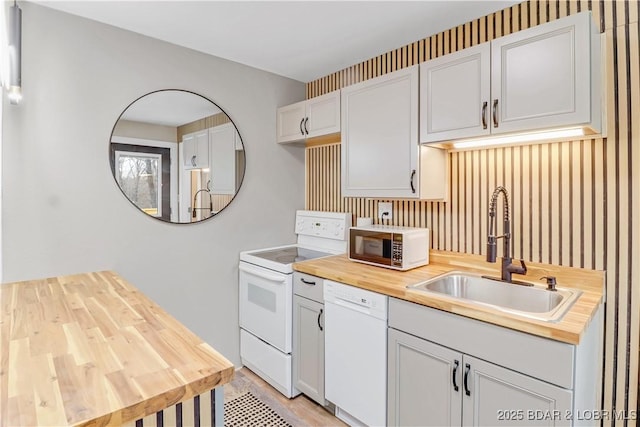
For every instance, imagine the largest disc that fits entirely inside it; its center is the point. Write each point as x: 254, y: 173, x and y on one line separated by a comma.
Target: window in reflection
x: 139, y: 177
x: 142, y: 173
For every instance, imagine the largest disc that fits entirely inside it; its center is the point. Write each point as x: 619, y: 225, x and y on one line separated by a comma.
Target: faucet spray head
x: 492, y: 228
x: 491, y: 249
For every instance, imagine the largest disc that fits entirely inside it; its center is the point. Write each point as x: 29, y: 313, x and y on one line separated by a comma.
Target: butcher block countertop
x: 90, y: 349
x: 393, y: 283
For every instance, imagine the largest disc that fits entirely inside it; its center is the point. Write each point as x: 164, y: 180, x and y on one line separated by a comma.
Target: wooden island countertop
x: 394, y: 283
x: 90, y: 349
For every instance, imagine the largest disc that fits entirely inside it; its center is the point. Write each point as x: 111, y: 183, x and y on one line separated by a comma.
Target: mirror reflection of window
x: 143, y: 174
x: 140, y: 180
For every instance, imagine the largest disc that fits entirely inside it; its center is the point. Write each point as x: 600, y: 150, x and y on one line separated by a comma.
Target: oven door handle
x: 259, y: 272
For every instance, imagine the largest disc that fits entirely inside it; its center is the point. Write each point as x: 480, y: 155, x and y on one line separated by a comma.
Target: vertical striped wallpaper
x: 575, y: 203
x: 202, y: 124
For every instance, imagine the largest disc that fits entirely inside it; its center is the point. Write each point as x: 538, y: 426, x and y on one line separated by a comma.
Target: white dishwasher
x: 356, y: 353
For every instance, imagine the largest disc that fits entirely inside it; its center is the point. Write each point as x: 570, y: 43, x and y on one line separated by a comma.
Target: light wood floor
x: 299, y: 411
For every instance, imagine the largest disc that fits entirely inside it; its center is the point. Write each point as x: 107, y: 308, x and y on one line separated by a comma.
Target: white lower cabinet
x: 431, y: 385
x: 423, y: 385
x: 308, y: 336
x: 448, y: 370
x: 308, y: 348
x: 497, y: 396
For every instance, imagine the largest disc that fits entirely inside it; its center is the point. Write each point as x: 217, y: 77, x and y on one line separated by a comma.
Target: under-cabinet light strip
x: 514, y: 139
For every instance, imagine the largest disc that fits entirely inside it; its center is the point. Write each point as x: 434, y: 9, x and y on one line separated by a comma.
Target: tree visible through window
x: 139, y: 177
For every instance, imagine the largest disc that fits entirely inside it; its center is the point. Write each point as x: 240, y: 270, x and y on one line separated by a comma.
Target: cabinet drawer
x: 308, y: 286
x: 542, y: 358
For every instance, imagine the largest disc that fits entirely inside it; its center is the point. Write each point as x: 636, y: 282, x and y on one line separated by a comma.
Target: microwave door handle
x: 262, y: 274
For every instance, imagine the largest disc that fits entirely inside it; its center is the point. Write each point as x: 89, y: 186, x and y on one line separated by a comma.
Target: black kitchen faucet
x: 507, y: 267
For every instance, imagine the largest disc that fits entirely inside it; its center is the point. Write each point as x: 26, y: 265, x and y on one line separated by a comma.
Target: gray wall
x: 62, y: 211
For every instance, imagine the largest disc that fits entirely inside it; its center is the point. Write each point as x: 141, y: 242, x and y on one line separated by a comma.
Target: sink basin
x: 528, y: 301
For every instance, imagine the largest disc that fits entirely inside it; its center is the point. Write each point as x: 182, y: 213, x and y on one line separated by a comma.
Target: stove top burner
x: 289, y: 255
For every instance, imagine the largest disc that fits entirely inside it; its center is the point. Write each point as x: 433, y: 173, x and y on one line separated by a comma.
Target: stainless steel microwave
x: 400, y: 248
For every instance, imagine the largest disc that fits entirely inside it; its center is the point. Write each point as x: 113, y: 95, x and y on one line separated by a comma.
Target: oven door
x: 266, y: 302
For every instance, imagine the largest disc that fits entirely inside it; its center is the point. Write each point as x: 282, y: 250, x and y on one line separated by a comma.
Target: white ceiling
x: 170, y: 108
x: 303, y: 40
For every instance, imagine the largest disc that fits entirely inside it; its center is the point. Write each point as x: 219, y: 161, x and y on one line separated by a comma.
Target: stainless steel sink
x: 528, y: 301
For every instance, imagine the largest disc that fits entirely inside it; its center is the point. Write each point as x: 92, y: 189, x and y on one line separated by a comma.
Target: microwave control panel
x: 396, y: 250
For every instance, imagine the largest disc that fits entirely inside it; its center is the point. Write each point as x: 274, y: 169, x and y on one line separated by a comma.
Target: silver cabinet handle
x: 193, y: 160
x: 301, y: 122
x: 495, y: 113
x: 484, y: 115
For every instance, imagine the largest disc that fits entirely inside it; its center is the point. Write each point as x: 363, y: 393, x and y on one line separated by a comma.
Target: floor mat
x: 248, y: 410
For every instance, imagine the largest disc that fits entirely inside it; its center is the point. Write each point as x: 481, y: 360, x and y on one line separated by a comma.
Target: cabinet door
x: 498, y: 396
x: 455, y: 94
x: 323, y: 115
x: 222, y: 141
x: 424, y: 383
x: 189, y: 151
x: 195, y: 150
x: 202, y: 149
x: 380, y: 136
x: 290, y: 123
x: 308, y: 348
x: 540, y: 77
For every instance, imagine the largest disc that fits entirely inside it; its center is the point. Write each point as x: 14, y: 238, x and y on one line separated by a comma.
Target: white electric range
x: 266, y: 294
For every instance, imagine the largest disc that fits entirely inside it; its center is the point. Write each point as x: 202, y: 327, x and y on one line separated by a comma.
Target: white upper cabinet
x: 195, y: 150
x: 454, y: 95
x: 290, y: 120
x: 381, y: 156
x: 541, y: 77
x: 323, y: 115
x: 380, y: 136
x: 545, y: 77
x: 307, y: 119
x: 222, y: 169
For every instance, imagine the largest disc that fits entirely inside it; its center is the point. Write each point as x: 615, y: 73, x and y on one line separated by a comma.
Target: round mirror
x: 177, y: 156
